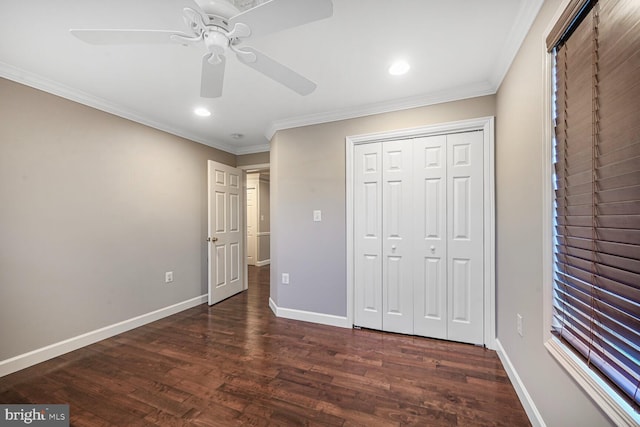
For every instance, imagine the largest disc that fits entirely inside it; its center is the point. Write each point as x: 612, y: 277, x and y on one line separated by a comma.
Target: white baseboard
x: 309, y: 316
x: 34, y: 357
x: 263, y: 262
x: 525, y: 398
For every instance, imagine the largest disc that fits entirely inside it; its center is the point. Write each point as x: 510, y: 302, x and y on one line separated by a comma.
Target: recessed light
x: 399, y: 68
x: 202, y: 112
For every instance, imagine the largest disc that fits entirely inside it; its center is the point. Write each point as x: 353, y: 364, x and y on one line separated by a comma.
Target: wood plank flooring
x: 236, y: 364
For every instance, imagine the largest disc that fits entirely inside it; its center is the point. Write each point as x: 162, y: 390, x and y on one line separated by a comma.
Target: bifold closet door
x: 449, y: 228
x: 382, y: 241
x: 418, y: 236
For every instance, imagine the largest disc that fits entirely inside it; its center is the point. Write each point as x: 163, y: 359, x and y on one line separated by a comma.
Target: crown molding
x: 519, y: 30
x: 526, y: 16
x: 261, y: 148
x: 454, y: 94
x: 41, y: 83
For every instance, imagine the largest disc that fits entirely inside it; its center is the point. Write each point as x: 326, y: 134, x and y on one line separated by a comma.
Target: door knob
x: 393, y: 247
x: 212, y: 239
x: 433, y: 249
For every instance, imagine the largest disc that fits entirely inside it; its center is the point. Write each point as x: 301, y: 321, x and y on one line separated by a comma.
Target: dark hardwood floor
x: 237, y: 364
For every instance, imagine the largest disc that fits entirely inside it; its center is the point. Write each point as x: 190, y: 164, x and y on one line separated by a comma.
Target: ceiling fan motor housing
x: 216, y: 41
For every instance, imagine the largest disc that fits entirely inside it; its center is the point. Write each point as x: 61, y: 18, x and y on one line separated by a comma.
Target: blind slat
x: 623, y: 309
x: 623, y: 263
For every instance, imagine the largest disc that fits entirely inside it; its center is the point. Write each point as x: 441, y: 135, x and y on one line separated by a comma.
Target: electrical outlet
x: 168, y: 277
x: 519, y: 324
x: 317, y: 216
x: 285, y: 278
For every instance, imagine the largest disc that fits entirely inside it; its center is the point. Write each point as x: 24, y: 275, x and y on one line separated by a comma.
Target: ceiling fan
x: 223, y: 29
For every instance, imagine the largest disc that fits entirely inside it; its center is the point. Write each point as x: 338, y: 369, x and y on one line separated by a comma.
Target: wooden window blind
x: 596, y: 301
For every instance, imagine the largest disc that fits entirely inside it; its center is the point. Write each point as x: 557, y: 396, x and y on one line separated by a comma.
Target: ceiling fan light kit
x: 223, y: 29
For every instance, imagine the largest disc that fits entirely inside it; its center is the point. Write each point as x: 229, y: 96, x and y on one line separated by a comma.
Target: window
x: 596, y: 281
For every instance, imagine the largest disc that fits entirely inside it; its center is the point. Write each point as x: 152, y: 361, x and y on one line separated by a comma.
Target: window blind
x: 596, y: 301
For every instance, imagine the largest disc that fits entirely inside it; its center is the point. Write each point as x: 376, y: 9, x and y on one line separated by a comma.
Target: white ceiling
x: 456, y: 48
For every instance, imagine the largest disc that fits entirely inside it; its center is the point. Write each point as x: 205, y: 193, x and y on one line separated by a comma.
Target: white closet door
x: 465, y: 219
x: 397, y: 228
x: 419, y: 238
x: 368, y: 235
x: 430, y: 231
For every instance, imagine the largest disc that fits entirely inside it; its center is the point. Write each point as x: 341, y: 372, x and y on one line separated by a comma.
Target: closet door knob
x: 433, y: 249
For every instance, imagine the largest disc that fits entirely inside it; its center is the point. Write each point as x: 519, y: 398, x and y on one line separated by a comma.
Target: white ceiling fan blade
x: 107, y: 37
x: 276, y: 71
x: 212, y: 77
x: 277, y: 15
x: 239, y: 30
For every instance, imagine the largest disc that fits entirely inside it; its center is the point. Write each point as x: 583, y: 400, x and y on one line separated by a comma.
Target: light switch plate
x: 317, y: 216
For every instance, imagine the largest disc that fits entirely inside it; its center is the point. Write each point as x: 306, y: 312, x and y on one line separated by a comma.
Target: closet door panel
x: 429, y: 222
x: 368, y: 235
x: 397, y: 236
x: 465, y: 241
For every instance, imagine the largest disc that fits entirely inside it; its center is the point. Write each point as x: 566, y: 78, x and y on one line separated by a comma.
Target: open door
x: 226, y: 232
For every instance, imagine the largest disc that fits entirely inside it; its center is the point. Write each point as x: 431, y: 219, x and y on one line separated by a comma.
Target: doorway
x: 258, y: 217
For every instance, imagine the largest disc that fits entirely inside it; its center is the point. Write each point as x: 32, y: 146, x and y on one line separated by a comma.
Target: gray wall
x: 519, y: 178
x: 253, y: 159
x: 308, y: 173
x: 93, y: 210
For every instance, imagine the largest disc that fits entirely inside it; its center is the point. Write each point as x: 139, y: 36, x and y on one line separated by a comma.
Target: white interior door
x: 397, y: 248
x: 465, y: 237
x: 226, y: 232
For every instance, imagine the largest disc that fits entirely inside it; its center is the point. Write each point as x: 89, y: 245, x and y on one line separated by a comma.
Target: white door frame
x: 486, y: 124
x: 249, y: 169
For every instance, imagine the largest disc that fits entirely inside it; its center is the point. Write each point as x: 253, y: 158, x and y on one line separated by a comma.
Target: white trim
x: 489, y: 234
x: 519, y: 30
x: 34, y: 357
x: 486, y: 124
x: 525, y: 398
x: 310, y: 316
x: 263, y: 262
x: 38, y: 82
x: 547, y: 192
x: 247, y: 168
x: 619, y: 411
x: 455, y: 94
x: 251, y: 149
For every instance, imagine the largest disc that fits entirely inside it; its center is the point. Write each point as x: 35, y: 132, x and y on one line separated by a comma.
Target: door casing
x: 486, y: 124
